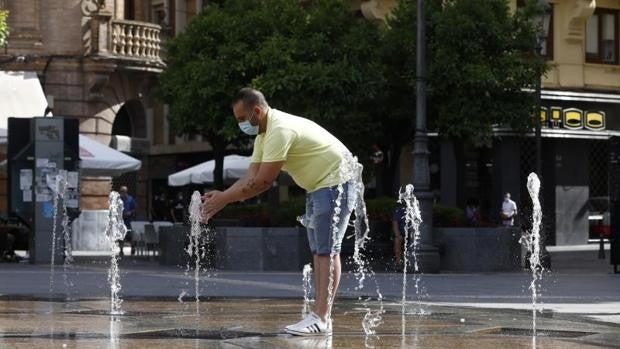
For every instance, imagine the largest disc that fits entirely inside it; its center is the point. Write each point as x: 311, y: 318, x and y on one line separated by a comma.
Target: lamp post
x: 428, y: 254
x: 541, y: 51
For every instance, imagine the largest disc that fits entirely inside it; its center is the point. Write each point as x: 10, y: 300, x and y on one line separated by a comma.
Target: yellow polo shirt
x: 311, y: 155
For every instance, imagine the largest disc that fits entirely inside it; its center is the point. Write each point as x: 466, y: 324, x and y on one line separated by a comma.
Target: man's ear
x: 258, y: 110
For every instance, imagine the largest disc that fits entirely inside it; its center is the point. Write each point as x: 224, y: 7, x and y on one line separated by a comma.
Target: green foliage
x: 445, y: 216
x: 356, y: 78
x: 480, y: 57
x: 324, y: 67
x: 4, y: 27
x: 381, y: 209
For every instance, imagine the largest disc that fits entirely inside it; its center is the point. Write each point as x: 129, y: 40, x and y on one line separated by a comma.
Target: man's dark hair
x: 250, y: 97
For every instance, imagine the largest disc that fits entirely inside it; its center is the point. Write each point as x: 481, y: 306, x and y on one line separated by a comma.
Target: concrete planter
x: 261, y: 249
x: 89, y: 231
x: 479, y: 249
x: 172, y: 242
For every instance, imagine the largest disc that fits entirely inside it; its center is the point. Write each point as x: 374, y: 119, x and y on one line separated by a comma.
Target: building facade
x: 580, y: 116
x: 99, y: 61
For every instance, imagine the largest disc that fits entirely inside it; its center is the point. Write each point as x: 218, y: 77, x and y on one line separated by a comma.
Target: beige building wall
x: 569, y: 69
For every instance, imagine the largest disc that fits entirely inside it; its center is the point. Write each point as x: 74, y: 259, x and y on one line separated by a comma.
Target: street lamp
x: 541, y: 50
x: 542, y: 39
x: 427, y: 252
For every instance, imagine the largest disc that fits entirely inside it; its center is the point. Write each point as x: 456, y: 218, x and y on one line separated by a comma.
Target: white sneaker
x: 312, y: 325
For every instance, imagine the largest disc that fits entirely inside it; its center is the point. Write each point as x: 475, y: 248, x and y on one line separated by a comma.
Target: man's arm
x: 258, y: 179
x: 251, y: 173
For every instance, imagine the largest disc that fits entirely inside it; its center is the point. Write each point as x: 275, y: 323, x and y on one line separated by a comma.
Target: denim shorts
x: 320, y: 208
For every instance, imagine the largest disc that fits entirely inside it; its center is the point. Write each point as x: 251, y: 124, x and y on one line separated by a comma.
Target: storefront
x: 577, y: 127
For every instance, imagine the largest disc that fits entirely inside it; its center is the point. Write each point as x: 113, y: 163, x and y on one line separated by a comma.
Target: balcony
x: 132, y: 43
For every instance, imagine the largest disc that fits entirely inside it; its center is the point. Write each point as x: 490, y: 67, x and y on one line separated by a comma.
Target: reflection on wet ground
x: 258, y: 323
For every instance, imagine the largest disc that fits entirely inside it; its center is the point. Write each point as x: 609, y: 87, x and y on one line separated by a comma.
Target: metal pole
x: 537, y: 132
x: 546, y: 256
x: 428, y: 253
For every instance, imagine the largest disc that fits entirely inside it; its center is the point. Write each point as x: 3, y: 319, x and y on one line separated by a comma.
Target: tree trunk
x: 219, y: 148
x: 392, y: 167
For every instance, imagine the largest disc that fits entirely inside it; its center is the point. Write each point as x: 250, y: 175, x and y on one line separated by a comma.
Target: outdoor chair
x: 151, y: 240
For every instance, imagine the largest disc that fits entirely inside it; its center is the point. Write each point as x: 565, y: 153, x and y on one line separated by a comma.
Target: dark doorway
x: 130, y: 10
x: 130, y: 120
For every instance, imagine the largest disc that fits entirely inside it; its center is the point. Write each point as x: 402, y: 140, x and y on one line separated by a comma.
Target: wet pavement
x: 258, y: 323
x: 581, y: 302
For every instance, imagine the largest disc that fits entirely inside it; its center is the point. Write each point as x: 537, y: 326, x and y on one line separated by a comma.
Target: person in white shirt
x: 509, y: 211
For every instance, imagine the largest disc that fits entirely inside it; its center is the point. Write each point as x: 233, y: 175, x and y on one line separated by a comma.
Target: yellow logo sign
x: 572, y: 118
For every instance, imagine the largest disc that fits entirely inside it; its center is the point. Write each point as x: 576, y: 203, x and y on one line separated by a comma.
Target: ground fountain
x: 115, y: 231
x: 413, y: 219
x: 532, y: 242
x: 351, y: 171
x: 58, y: 184
x: 194, y: 250
x: 307, y: 286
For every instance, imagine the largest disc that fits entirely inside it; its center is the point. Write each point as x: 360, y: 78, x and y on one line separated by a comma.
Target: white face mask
x: 247, y: 128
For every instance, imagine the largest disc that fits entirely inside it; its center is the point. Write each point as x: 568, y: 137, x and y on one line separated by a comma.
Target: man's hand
x: 213, y: 202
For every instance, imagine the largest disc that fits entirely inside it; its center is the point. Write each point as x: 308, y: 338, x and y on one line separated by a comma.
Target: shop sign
x: 572, y: 118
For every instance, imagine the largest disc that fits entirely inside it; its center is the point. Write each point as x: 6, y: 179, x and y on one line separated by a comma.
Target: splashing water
x: 372, y: 320
x: 181, y: 295
x: 115, y: 231
x: 59, y: 188
x: 351, y: 171
x: 114, y: 332
x: 413, y: 219
x: 307, y: 286
x: 61, y: 185
x: 55, y: 224
x: 332, y: 266
x: 193, y: 249
x: 532, y: 242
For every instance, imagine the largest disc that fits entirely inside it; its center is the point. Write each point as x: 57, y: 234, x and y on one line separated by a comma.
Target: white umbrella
x: 21, y: 96
x: 101, y: 160
x: 98, y: 159
x: 235, y: 167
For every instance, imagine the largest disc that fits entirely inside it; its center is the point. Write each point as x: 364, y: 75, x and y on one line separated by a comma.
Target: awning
x: 580, y: 96
x: 21, y: 96
x: 235, y: 167
x: 98, y: 159
x: 101, y: 160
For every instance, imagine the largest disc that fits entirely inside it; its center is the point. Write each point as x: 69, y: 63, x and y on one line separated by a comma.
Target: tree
x: 326, y: 68
x: 207, y: 63
x: 481, y: 62
x: 484, y: 67
x: 4, y: 27
x: 316, y: 61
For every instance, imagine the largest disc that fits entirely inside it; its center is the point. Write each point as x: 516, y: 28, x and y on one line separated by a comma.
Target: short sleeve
x: 257, y: 153
x: 277, y: 145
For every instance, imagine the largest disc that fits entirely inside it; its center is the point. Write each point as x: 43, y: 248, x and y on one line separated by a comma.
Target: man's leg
x: 121, y: 243
x: 322, y: 284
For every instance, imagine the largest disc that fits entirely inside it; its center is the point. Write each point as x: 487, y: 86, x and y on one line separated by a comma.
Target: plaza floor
x: 580, y: 302
x: 258, y: 323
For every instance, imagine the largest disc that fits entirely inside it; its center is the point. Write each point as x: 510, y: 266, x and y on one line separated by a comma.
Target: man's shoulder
x: 283, y: 124
x: 283, y: 119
